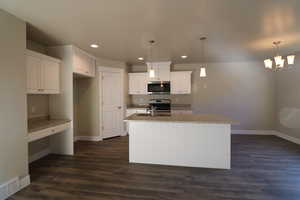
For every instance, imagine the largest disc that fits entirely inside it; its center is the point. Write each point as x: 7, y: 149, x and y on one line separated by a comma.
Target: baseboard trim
x: 266, y: 132
x: 287, y: 137
x: 39, y: 155
x: 89, y: 138
x: 253, y: 132
x: 13, y: 186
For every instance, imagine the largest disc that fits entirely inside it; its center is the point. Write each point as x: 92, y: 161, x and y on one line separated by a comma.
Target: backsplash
x: 176, y: 99
x: 37, y: 106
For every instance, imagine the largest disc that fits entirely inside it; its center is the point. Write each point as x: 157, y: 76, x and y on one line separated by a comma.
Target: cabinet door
x: 50, y: 77
x: 83, y: 63
x: 91, y: 65
x: 33, y: 65
x: 133, y: 84
x: 164, y: 73
x: 77, y: 63
x: 142, y: 83
x: 181, y: 82
x: 137, y: 83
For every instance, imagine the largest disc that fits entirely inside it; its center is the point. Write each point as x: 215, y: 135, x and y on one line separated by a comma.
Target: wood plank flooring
x: 263, y: 167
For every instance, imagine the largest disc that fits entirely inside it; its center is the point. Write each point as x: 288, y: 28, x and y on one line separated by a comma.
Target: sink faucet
x: 152, y: 111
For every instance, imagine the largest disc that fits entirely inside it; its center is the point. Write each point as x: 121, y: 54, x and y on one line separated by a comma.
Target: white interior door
x: 112, y: 115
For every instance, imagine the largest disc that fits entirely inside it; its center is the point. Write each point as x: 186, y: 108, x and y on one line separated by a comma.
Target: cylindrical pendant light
x: 268, y: 63
x: 151, y: 71
x: 203, y: 69
x: 202, y: 72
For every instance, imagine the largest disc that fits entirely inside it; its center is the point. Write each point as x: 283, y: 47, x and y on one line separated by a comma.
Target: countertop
x: 173, y: 107
x: 44, y: 123
x: 188, y: 118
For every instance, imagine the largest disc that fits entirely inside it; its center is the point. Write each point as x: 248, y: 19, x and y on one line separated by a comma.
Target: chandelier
x: 280, y: 61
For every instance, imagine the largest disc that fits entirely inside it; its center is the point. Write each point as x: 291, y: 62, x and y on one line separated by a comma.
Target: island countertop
x: 186, y: 118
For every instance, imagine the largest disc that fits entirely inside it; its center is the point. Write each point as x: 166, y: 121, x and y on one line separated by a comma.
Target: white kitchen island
x: 181, y: 140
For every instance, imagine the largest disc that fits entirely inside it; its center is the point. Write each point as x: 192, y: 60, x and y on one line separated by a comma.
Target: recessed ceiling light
x: 94, y: 46
x: 140, y: 58
x: 184, y: 57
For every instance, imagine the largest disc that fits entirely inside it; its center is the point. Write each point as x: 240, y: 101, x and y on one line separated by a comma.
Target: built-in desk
x: 41, y: 128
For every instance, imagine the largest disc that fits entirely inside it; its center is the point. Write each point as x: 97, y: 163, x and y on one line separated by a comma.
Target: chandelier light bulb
x: 291, y: 59
x: 281, y: 64
x: 278, y: 60
x: 268, y: 63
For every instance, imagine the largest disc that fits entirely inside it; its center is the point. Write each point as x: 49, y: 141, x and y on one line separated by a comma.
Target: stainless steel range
x: 160, y: 105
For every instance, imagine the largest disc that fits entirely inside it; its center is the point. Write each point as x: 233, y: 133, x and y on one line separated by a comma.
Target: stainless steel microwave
x: 159, y: 87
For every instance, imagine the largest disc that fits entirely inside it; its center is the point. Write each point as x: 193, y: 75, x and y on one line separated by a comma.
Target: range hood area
x: 160, y: 70
x: 179, y: 81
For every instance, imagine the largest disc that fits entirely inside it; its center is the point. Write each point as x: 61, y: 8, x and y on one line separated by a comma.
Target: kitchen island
x: 181, y: 140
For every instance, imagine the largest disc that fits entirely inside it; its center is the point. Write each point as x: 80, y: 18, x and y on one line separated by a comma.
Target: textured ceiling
x: 236, y: 29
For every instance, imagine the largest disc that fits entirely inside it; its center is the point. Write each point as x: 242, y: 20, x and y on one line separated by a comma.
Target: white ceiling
x: 236, y: 29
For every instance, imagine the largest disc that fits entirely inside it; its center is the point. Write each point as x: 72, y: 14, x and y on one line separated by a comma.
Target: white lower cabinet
x: 43, y: 74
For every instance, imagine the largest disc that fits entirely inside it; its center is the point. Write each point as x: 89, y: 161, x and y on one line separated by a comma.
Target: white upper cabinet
x: 181, y: 82
x: 161, y: 71
x: 33, y: 68
x: 43, y: 73
x: 138, y: 83
x: 83, y: 63
x: 50, y: 77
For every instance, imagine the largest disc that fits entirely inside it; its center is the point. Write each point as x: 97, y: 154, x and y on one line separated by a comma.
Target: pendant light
x: 151, y: 71
x: 278, y: 59
x: 203, y: 67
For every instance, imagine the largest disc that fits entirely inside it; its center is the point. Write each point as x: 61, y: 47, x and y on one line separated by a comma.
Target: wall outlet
x: 33, y: 109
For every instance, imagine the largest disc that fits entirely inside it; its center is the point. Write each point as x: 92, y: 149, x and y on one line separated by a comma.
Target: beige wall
x: 288, y: 100
x: 87, y: 109
x: 13, y: 126
x: 243, y: 91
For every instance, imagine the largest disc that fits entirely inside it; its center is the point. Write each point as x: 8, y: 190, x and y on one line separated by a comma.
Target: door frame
x: 101, y: 70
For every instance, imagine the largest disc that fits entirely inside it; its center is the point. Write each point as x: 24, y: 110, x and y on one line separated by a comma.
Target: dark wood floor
x: 263, y: 167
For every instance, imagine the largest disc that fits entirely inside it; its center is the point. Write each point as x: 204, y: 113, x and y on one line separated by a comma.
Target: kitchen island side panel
x: 180, y: 144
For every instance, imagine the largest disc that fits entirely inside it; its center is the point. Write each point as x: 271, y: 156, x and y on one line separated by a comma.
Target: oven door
x: 159, y: 87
